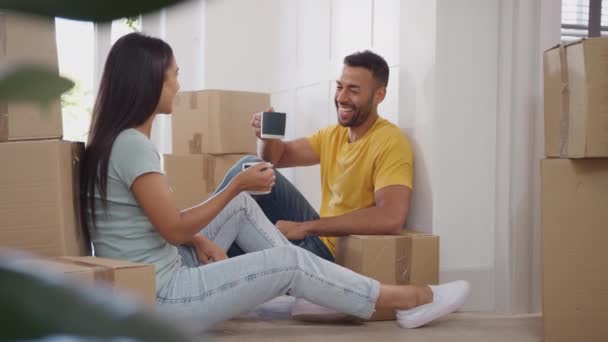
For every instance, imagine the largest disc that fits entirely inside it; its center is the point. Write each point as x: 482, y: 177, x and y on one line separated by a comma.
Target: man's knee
x: 238, y: 167
x: 248, y: 159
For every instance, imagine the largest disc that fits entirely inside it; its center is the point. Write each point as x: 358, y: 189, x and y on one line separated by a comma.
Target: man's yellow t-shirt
x: 352, y: 172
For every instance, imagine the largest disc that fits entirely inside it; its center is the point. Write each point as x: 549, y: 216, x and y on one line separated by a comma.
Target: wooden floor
x: 274, y: 323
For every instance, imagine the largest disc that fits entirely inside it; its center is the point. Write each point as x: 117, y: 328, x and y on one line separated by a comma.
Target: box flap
x: 553, y: 47
x: 104, y: 262
x: 53, y: 265
x: 416, y: 234
x: 575, y: 42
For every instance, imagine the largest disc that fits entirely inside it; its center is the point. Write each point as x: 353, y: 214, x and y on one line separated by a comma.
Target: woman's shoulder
x: 131, y: 135
x: 132, y: 139
x: 132, y: 143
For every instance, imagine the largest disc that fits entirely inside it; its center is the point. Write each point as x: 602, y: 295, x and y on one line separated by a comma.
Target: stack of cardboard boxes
x: 39, y: 170
x: 211, y: 132
x: 574, y: 192
x: 39, y: 183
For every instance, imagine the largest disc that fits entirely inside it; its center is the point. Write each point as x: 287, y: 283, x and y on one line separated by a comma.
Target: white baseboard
x: 482, y: 286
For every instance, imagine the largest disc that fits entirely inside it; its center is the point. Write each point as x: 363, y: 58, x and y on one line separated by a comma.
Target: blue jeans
x: 207, y: 294
x: 285, y: 202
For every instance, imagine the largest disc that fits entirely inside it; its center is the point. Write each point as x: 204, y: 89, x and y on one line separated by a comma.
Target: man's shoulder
x: 389, y: 133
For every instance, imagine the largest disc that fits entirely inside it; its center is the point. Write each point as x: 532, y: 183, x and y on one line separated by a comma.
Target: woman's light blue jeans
x: 207, y: 294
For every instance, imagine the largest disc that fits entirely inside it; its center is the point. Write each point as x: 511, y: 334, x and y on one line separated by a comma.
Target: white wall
x: 463, y: 86
x: 549, y: 35
x: 464, y: 143
x: 242, y: 44
x: 417, y: 98
x: 183, y: 27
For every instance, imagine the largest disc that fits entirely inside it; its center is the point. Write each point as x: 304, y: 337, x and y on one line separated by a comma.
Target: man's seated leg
x: 234, y: 251
x: 285, y: 202
x: 235, y: 170
x: 314, y: 245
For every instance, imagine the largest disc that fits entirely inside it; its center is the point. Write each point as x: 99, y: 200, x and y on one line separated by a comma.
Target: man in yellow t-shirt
x: 366, y: 166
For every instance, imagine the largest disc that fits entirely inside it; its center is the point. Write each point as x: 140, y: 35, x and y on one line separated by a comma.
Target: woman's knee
x: 244, y: 201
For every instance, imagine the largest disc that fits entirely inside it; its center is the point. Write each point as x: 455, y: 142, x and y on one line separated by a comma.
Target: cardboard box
x: 215, y: 121
x: 555, y: 97
x: 135, y: 279
x: 574, y: 222
x: 26, y: 39
x: 39, y: 191
x: 411, y: 258
x: 576, y: 81
x: 194, y: 178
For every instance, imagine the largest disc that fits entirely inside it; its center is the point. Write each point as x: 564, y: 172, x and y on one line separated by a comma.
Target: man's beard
x: 360, y: 114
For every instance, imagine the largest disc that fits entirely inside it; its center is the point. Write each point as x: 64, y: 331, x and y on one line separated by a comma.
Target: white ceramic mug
x: 245, y: 166
x: 273, y: 125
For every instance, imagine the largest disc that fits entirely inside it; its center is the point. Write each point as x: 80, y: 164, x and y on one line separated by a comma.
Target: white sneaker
x: 447, y: 298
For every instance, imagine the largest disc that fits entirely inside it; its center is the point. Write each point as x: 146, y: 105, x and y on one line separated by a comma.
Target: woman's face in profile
x: 170, y: 89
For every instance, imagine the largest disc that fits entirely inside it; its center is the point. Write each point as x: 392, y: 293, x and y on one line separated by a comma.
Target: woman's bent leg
x: 221, y: 290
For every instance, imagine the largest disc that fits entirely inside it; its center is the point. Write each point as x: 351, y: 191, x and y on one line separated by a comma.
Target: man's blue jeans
x: 285, y: 202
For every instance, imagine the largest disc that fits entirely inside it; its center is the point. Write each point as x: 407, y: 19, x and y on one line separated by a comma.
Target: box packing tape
x: 565, y: 97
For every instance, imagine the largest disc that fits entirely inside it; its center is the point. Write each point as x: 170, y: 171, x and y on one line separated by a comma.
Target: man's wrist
x: 270, y: 150
x: 309, y: 228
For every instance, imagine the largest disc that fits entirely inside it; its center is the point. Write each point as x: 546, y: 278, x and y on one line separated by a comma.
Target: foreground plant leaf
x: 99, y: 11
x: 36, y: 306
x: 32, y: 83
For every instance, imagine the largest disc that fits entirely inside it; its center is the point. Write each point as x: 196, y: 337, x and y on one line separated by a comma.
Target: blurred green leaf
x: 134, y: 23
x: 35, y: 306
x: 99, y: 11
x: 32, y: 83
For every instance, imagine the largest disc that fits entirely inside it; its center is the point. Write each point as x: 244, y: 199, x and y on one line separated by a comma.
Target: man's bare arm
x: 387, y: 217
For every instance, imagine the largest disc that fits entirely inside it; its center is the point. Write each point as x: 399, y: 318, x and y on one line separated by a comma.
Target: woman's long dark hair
x: 129, y: 93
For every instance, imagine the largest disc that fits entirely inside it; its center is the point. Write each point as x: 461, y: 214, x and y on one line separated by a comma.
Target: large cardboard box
x: 26, y: 39
x: 194, y: 178
x: 215, y: 121
x: 39, y: 191
x: 574, y: 228
x: 410, y: 258
x: 576, y: 82
x: 135, y: 279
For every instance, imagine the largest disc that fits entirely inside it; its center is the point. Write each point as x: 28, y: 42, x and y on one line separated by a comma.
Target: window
x: 75, y: 48
x: 124, y: 26
x: 584, y: 18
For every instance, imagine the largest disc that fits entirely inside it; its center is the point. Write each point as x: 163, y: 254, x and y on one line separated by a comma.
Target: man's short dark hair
x: 370, y: 61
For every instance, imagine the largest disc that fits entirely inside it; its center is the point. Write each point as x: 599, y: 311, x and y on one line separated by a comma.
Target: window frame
x: 594, y: 26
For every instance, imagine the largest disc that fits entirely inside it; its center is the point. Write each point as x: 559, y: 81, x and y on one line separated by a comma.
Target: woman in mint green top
x: 131, y: 214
